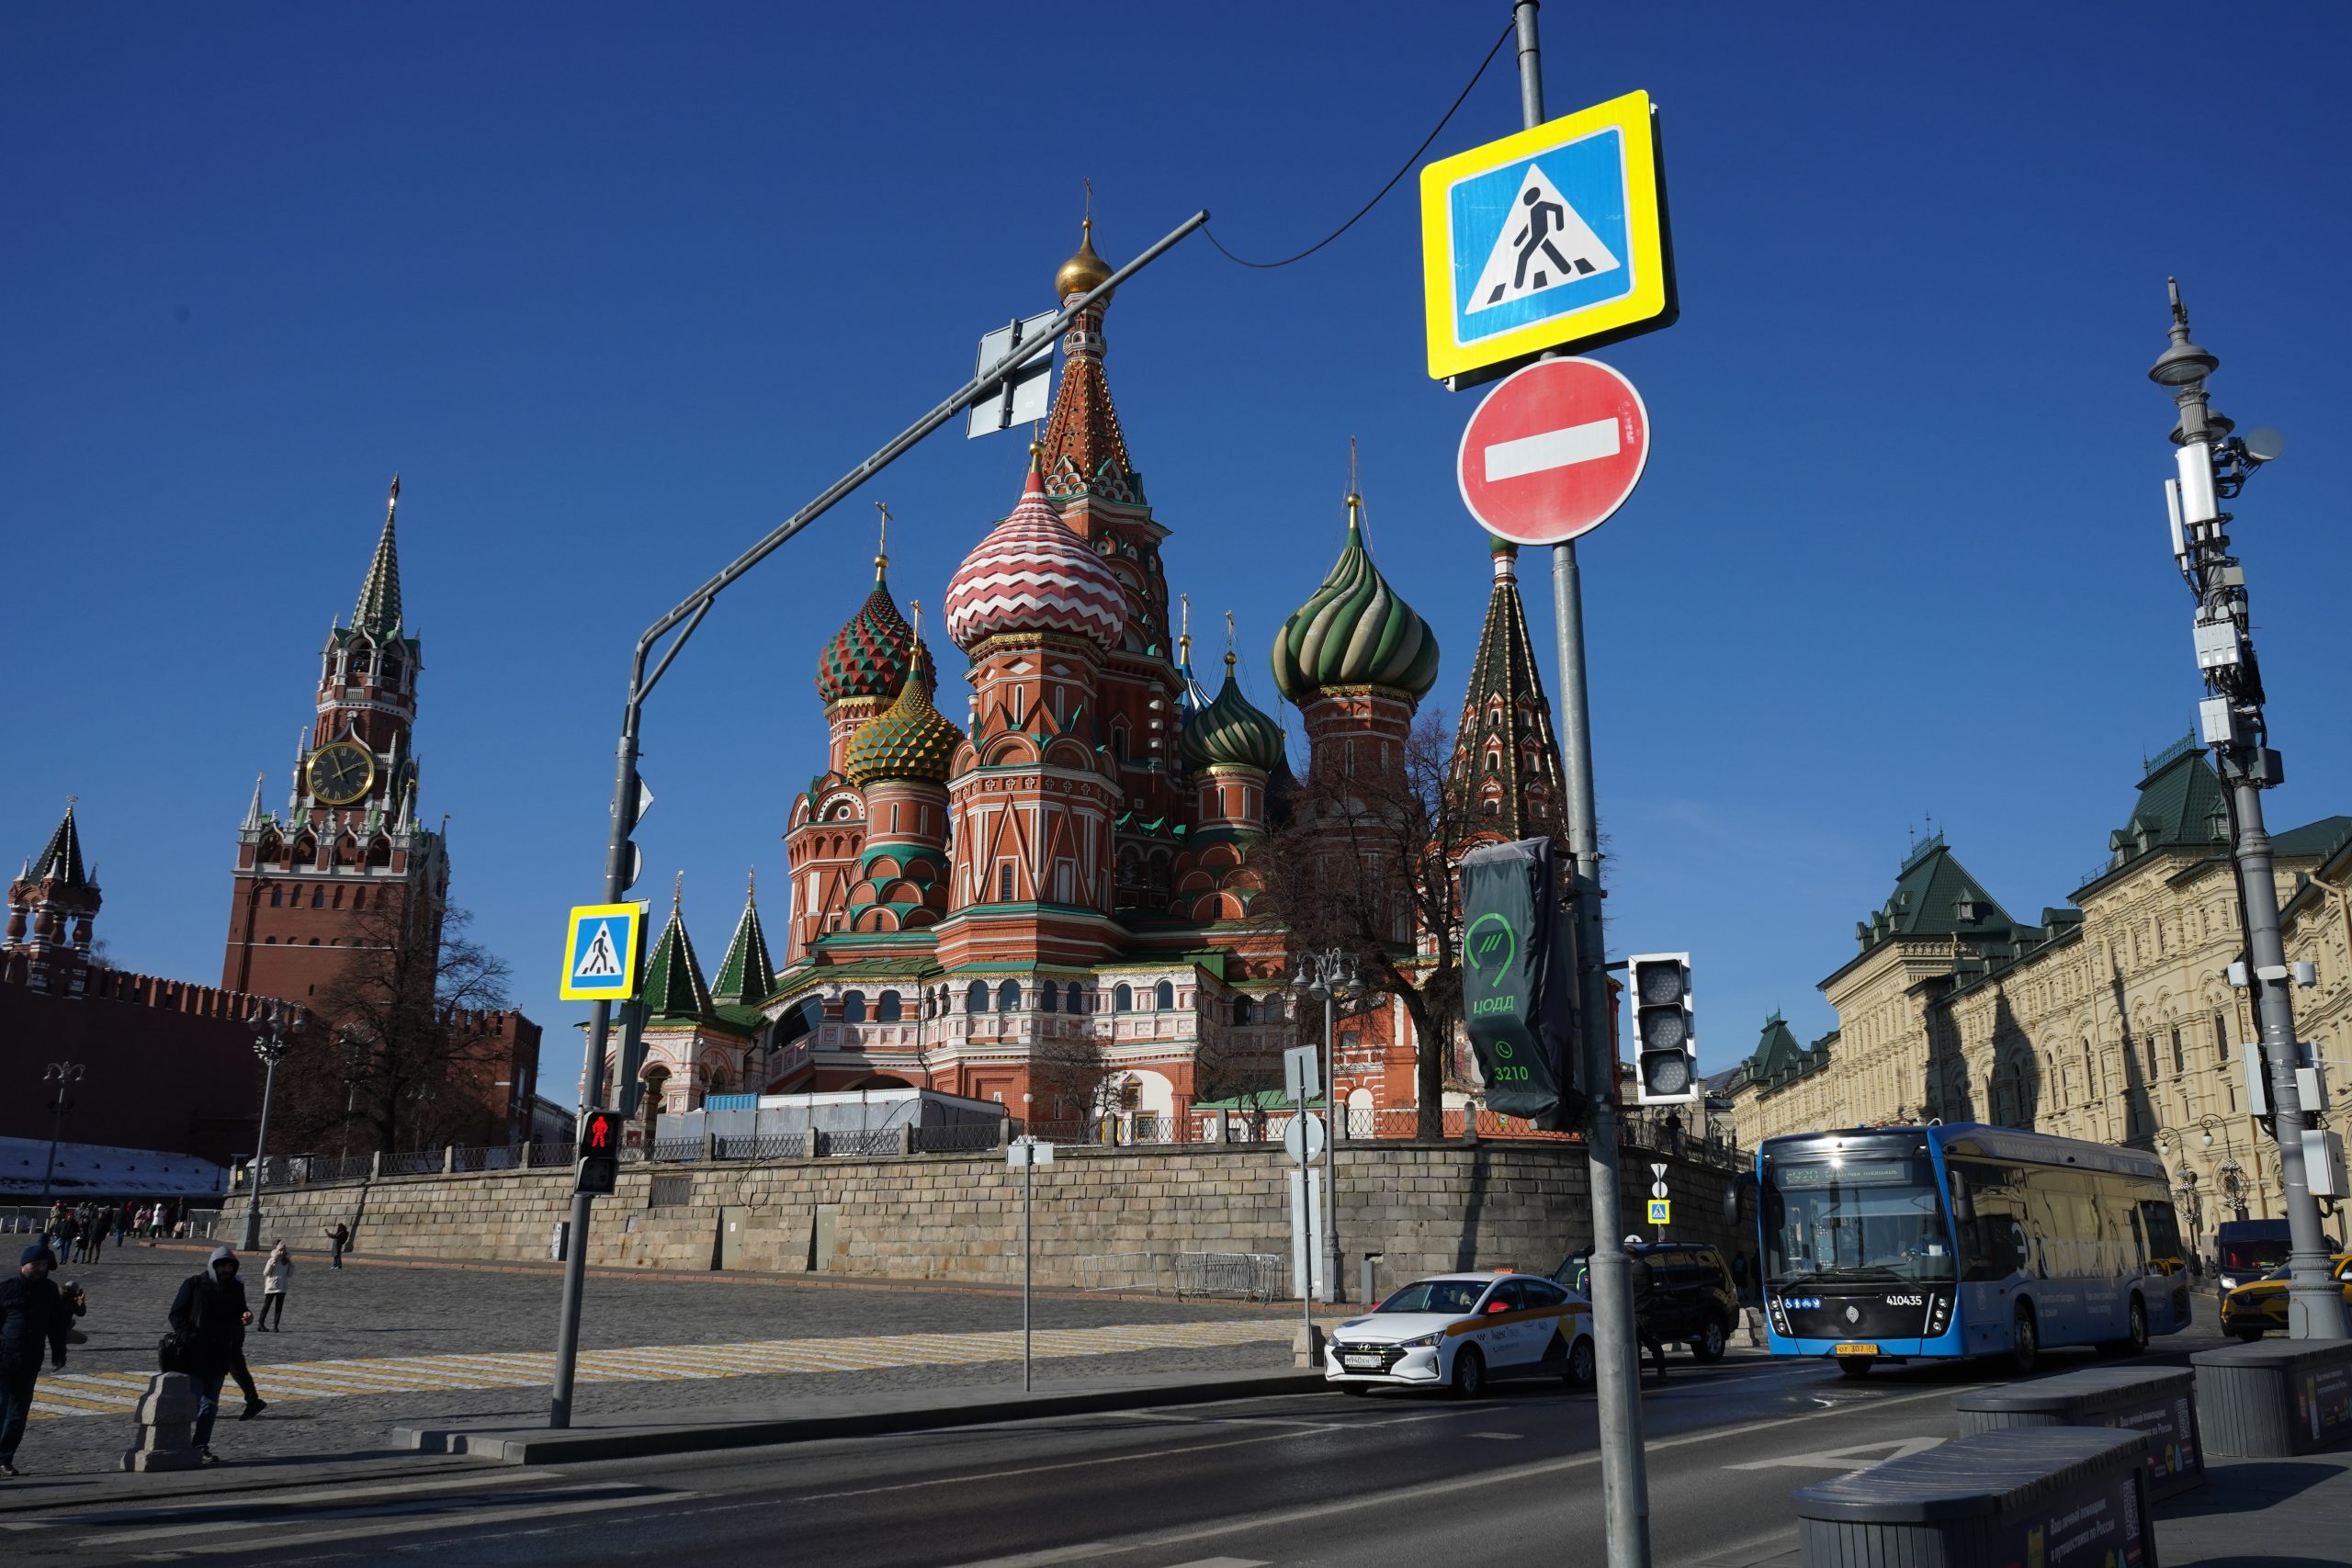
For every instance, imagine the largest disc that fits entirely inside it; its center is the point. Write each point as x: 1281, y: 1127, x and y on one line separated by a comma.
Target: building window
x: 1008, y: 998
x: 2222, y: 1039
x: 318, y: 897
x: 1163, y: 997
x: 1004, y: 882
x: 360, y: 897
x: 1123, y: 998
x: 1242, y: 1013
x: 1077, y: 997
x: 2179, y: 1056
x: 1049, y: 997
x: 975, y: 999
x: 886, y: 1007
x: 276, y: 897
x: 854, y: 1007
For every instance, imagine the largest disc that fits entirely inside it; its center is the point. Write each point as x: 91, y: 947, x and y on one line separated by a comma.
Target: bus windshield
x: 1864, y: 1218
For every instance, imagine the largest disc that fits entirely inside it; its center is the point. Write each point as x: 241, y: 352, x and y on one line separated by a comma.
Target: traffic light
x: 600, y: 1153
x: 1665, y: 1052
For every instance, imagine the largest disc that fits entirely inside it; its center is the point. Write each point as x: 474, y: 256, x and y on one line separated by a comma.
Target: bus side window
x: 1991, y: 1238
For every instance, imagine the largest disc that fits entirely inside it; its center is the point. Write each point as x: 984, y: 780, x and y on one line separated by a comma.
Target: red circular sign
x: 1553, y: 451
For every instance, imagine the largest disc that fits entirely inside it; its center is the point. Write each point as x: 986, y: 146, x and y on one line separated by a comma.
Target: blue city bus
x: 1883, y: 1244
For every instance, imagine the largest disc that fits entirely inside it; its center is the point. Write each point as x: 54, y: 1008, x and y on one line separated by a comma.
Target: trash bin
x: 2276, y: 1397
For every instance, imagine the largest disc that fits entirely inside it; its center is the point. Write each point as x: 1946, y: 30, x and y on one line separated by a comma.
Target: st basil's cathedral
x: 1069, y: 870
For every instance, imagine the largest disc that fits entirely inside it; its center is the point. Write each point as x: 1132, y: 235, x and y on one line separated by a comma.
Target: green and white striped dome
x: 1355, y: 631
x: 1231, y: 732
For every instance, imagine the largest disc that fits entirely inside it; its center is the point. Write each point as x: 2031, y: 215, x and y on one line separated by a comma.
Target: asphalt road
x: 1309, y: 1479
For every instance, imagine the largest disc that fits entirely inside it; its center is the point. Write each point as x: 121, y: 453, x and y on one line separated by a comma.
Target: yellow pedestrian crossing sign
x: 1555, y: 236
x: 600, y: 952
x: 1661, y: 1211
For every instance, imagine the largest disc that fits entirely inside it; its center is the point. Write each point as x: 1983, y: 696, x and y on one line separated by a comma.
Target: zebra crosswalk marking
x: 113, y: 1394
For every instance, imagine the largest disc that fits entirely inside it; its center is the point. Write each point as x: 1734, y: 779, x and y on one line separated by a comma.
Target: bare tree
x: 1365, y: 863
x: 1070, y: 1080
x: 407, y: 1048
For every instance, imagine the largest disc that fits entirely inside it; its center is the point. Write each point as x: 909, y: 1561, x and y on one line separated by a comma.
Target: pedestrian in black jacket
x: 209, y: 1317
x: 32, y: 1314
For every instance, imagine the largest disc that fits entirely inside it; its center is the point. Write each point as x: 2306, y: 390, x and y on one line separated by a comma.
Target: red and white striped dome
x: 1032, y: 574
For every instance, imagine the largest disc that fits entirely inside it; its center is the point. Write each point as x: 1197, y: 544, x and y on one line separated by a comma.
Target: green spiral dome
x: 907, y: 740
x: 1230, y: 732
x: 1355, y: 631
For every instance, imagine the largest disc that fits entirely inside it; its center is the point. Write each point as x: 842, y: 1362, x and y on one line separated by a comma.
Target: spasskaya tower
x: 348, y: 840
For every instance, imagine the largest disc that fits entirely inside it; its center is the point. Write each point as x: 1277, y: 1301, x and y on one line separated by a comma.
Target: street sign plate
x: 1028, y: 1151
x: 1555, y: 236
x: 600, y: 951
x: 1301, y: 1074
x: 1553, y: 451
x: 1661, y: 1212
x: 1303, y: 1139
x: 1026, y: 392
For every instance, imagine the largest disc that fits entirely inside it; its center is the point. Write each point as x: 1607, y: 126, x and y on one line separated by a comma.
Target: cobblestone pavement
x: 372, y: 1313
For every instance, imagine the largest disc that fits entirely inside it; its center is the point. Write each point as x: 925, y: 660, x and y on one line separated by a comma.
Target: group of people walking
x: 207, y: 1317
x: 78, y: 1233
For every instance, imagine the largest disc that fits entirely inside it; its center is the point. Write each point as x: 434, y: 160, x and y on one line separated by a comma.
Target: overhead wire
x: 1384, y: 190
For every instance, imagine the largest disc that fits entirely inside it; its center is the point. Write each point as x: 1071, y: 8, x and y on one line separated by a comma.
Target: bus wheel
x: 1855, y: 1366
x: 2025, y: 1342
x: 2135, y: 1338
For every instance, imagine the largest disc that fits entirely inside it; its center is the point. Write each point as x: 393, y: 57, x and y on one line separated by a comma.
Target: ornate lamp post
x: 1331, y: 977
x: 276, y: 1026
x: 64, y: 1074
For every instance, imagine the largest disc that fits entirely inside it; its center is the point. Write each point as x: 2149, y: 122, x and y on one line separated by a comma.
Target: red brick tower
x: 50, y: 906
x: 349, y: 839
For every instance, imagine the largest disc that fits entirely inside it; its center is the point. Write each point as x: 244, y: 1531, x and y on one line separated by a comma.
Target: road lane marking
x: 276, y: 1539
x: 1843, y: 1459
x: 1428, y: 1489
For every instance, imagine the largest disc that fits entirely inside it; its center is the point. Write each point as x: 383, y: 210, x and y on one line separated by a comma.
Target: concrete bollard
x: 1306, y: 1345
x: 167, y: 1426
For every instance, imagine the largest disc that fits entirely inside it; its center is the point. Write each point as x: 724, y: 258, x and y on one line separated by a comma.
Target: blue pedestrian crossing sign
x: 600, y: 952
x: 1552, y: 237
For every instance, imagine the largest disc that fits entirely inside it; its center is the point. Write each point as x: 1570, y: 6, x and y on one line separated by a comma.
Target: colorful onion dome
x: 1355, y: 631
x: 868, y: 656
x: 1085, y: 271
x: 1231, y: 732
x: 907, y: 740
x: 1032, y: 574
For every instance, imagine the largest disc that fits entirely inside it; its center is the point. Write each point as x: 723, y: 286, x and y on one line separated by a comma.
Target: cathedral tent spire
x: 1085, y: 451
x: 674, y: 989
x: 746, y: 976
x: 379, y: 610
x: 1507, y: 759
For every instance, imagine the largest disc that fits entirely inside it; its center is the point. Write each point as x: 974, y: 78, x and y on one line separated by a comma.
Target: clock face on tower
x: 340, y: 773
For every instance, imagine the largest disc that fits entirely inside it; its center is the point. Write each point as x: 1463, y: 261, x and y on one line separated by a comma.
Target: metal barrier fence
x: 962, y: 1138
x: 876, y: 1140
x: 417, y: 1162
x: 766, y: 1145
x: 1247, y: 1276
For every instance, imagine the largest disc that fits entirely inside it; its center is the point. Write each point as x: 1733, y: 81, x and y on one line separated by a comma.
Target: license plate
x: 1857, y: 1350
x: 1371, y: 1363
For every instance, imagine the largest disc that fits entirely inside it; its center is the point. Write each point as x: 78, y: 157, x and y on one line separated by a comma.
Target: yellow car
x: 2261, y: 1305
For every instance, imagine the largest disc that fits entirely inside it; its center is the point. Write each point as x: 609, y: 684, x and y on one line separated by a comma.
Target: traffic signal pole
x: 620, y: 874
x: 2213, y: 465
x: 1624, y: 1480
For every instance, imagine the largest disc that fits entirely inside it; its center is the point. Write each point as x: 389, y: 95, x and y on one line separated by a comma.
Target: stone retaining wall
x: 1426, y: 1207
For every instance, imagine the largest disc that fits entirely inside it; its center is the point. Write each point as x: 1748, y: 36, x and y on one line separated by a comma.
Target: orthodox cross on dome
x: 882, y: 541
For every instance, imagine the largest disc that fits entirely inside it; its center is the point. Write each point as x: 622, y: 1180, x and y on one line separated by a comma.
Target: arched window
x: 318, y: 898
x: 801, y: 1019
x: 360, y: 897
x: 1008, y: 997
x: 886, y: 1007
x: 1077, y: 997
x: 975, y: 999
x: 1049, y: 997
x: 1164, y: 996
x: 852, y: 1007
x: 276, y: 897
x: 1242, y: 1012
x: 1123, y: 998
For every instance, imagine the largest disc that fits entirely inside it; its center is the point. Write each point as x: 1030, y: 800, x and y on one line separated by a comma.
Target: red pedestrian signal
x: 599, y: 1168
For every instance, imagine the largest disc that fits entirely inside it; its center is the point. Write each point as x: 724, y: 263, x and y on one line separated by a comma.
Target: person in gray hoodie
x: 209, y: 1317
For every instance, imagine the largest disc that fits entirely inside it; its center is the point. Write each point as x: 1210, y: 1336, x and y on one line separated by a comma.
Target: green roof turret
x: 1231, y: 731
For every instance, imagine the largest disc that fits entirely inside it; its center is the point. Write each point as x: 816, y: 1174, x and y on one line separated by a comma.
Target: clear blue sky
x: 617, y: 288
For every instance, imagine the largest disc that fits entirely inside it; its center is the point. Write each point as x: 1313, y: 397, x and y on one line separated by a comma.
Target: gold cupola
x: 1084, y: 272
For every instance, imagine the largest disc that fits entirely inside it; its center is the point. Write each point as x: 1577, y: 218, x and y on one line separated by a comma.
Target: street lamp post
x: 276, y: 1026
x: 2214, y: 465
x: 64, y: 1074
x: 1331, y: 977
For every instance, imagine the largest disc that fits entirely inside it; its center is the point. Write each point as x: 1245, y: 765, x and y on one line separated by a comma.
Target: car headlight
x: 1425, y: 1342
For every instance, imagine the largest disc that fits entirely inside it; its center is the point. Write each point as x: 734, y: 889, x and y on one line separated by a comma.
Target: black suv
x: 1692, y: 1294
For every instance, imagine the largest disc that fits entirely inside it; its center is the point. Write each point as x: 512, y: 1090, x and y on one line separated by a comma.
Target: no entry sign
x: 1553, y: 451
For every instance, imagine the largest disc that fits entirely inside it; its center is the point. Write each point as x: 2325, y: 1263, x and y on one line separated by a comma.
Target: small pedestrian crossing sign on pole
x: 1661, y: 1212
x: 1550, y: 237
x: 600, y: 952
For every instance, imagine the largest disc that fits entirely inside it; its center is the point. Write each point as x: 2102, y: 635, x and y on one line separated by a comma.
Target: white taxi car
x: 1456, y: 1331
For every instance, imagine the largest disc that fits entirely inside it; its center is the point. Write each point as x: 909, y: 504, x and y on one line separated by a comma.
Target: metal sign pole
x: 1624, y: 1475
x: 1028, y: 1174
